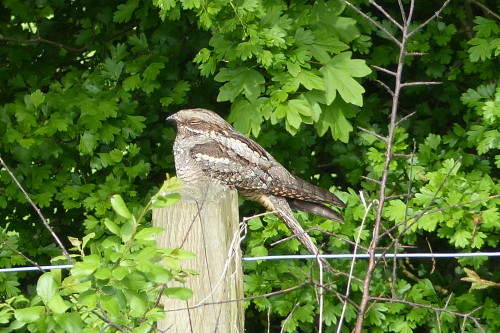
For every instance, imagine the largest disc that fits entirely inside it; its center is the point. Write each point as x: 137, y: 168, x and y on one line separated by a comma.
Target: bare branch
x: 353, y: 262
x: 486, y: 9
x: 371, y: 179
x: 386, y: 14
x: 278, y: 292
x: 43, y: 41
x: 7, y: 244
x: 420, y: 83
x: 378, y: 136
x: 424, y: 306
x: 436, y: 14
x: 35, y: 207
x: 372, y: 21
x: 385, y: 70
x: 389, y: 90
x: 403, y: 13
x: 332, y: 234
x: 415, y: 54
x: 404, y: 118
x: 440, y: 210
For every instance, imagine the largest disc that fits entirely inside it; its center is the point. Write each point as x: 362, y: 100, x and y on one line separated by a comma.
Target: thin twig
x: 332, y: 234
x: 386, y: 87
x: 404, y: 118
x: 372, y: 21
x: 486, y: 9
x: 378, y: 136
x: 6, y: 243
x: 402, y: 11
x: 385, y: 70
x: 418, y: 216
x: 425, y: 211
x: 436, y: 14
x: 371, y: 180
x: 386, y: 14
x: 35, y: 207
x: 372, y: 263
x: 423, y: 306
x: 44, y: 41
x: 420, y: 83
x: 351, y: 269
x: 109, y: 322
x: 278, y: 292
x: 416, y: 54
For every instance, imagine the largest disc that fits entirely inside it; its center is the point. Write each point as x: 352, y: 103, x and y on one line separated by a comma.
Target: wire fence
x: 298, y: 257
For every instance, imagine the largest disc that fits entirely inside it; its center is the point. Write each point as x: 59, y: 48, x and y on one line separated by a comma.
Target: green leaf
x: 160, y: 201
x: 57, y: 304
x: 296, y: 108
x: 148, y: 233
x: 84, y: 269
x: 120, y: 207
x: 152, y: 71
x: 480, y: 49
x: 259, y: 251
x: 395, y: 210
x: 429, y: 222
x: 132, y: 82
x: 485, y: 27
x: 241, y: 79
x: 135, y: 281
x: 111, y: 226
x: 178, y: 293
x: 246, y: 116
x: 125, y: 11
x: 37, y: 98
x: 110, y: 305
x: 332, y: 118
x: 310, y: 80
x: 120, y: 272
x: 46, y: 288
x: 30, y: 314
x: 70, y: 322
x: 103, y: 273
x: 137, y: 302
x: 127, y: 230
x: 112, y: 69
x: 139, y: 43
x: 338, y: 76
x: 461, y: 238
x: 376, y: 314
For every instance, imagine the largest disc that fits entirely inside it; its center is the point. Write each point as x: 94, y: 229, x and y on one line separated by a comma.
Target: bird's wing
x: 233, y: 166
x: 295, y: 188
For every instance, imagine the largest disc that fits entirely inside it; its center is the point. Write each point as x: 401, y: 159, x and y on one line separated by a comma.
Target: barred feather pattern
x: 206, y: 147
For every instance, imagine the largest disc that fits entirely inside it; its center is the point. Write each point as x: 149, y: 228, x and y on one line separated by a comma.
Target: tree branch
x: 35, y: 207
x: 372, y: 21
x: 44, y: 41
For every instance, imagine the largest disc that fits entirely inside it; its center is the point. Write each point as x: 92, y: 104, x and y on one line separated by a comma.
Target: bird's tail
x: 316, y: 209
x: 284, y: 212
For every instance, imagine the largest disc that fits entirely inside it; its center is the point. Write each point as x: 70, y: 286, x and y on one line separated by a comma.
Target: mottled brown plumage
x: 208, y: 148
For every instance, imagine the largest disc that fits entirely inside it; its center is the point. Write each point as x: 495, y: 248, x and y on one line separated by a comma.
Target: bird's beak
x: 171, y: 119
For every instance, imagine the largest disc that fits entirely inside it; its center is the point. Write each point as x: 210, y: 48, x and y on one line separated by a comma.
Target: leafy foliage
x: 85, y: 89
x: 116, y: 281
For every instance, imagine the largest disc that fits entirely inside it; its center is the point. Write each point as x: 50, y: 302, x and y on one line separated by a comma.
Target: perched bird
x: 208, y: 148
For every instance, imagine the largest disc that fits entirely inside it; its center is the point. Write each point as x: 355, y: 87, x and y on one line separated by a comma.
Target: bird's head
x: 199, y: 122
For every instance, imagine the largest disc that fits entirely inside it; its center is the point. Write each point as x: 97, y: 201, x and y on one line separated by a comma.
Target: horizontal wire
x: 300, y: 257
x: 34, y: 268
x: 377, y: 255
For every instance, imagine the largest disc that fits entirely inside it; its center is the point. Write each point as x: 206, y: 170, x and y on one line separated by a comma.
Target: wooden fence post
x: 205, y: 221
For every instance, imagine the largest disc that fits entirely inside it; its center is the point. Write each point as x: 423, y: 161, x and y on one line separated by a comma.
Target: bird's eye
x: 194, y: 121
